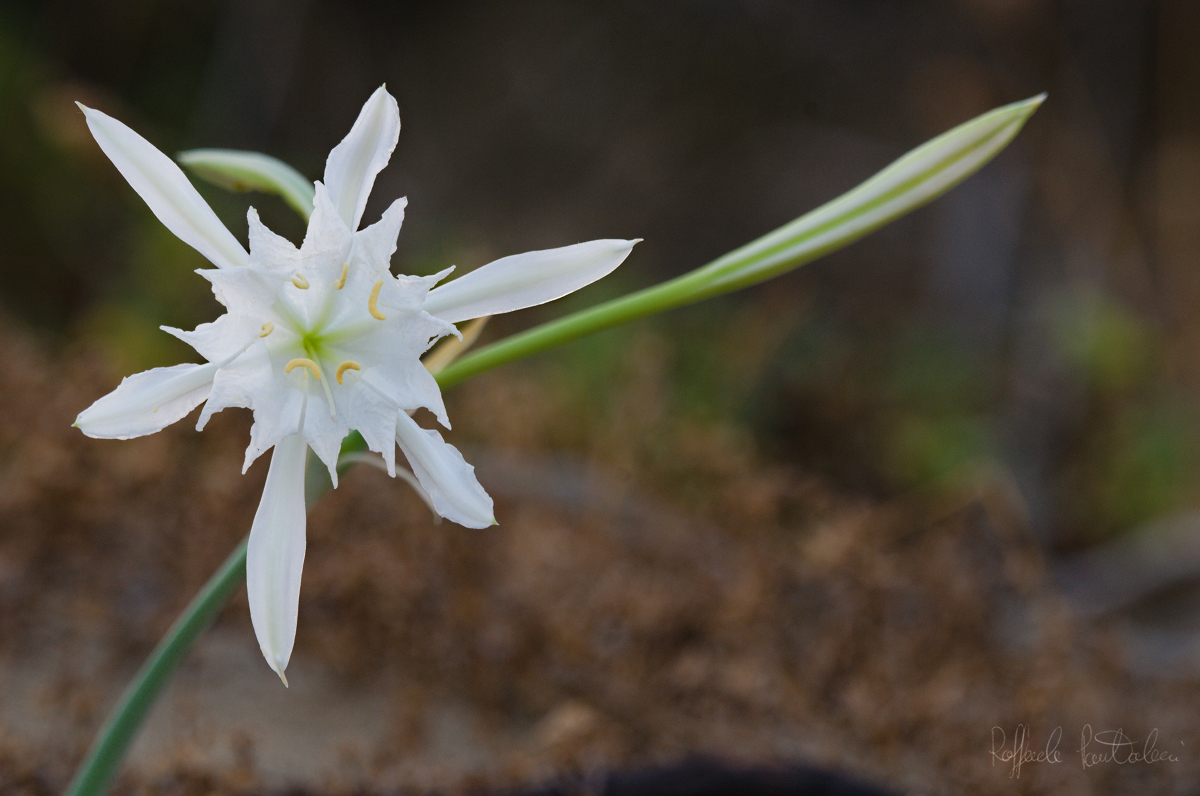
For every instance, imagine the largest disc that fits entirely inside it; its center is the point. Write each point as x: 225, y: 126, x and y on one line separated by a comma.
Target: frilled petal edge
x: 445, y: 475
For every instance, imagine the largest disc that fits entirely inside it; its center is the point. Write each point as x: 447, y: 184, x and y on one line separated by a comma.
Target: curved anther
x: 372, y: 303
x: 303, y: 363
x: 345, y: 366
x: 299, y: 281
x: 341, y: 282
x: 267, y: 328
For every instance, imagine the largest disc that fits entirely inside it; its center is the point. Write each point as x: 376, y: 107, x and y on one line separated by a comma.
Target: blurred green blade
x: 251, y: 171
x: 915, y: 179
x: 912, y: 181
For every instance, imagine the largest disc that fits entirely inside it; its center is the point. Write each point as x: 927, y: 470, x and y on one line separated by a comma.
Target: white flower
x: 318, y: 341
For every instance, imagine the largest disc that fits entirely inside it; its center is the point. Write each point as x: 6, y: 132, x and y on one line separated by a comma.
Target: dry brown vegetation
x: 655, y: 589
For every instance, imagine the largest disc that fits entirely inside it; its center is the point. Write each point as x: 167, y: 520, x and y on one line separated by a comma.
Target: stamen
x: 299, y: 281
x: 345, y: 366
x: 267, y: 328
x: 342, y: 279
x: 329, y: 398
x: 303, y: 363
x: 371, y: 302
x: 229, y: 359
x: 316, y: 371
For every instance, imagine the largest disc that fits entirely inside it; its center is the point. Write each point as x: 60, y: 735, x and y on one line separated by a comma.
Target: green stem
x: 648, y: 301
x: 114, y: 738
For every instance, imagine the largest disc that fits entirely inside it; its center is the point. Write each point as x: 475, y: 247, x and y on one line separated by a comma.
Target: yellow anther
x: 371, y: 302
x: 341, y: 283
x: 299, y: 281
x: 303, y: 363
x: 345, y: 366
x: 267, y: 328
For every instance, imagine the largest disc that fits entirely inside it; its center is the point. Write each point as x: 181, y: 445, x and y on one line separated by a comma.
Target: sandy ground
x: 655, y: 590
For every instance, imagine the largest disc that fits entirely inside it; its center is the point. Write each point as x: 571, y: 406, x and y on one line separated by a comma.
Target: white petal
x: 441, y: 469
x: 327, y: 233
x: 246, y: 381
x: 268, y: 251
x: 324, y: 433
x: 374, y: 246
x: 275, y: 554
x: 277, y: 415
x: 240, y: 289
x: 525, y: 280
x: 147, y: 402
x: 166, y: 190
x: 375, y: 418
x: 409, y: 386
x: 221, y: 340
x: 352, y: 165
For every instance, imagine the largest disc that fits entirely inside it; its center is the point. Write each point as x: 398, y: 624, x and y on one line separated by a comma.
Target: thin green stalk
x: 648, y: 301
x: 112, y: 742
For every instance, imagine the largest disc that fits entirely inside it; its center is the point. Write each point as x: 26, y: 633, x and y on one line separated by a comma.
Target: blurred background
x: 1028, y: 344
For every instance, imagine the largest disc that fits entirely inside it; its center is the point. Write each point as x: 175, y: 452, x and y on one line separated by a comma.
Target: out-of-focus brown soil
x: 654, y: 590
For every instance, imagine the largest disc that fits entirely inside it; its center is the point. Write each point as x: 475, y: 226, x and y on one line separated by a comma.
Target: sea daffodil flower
x: 318, y: 341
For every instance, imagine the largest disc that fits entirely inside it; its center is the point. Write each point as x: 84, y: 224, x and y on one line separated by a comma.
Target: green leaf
x: 915, y: 179
x: 241, y: 171
x: 922, y: 175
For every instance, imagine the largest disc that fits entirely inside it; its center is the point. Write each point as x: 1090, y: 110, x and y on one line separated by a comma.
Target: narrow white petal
x: 445, y: 475
x: 166, y: 190
x: 147, y: 402
x: 275, y: 554
x: 525, y: 280
x: 352, y: 165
